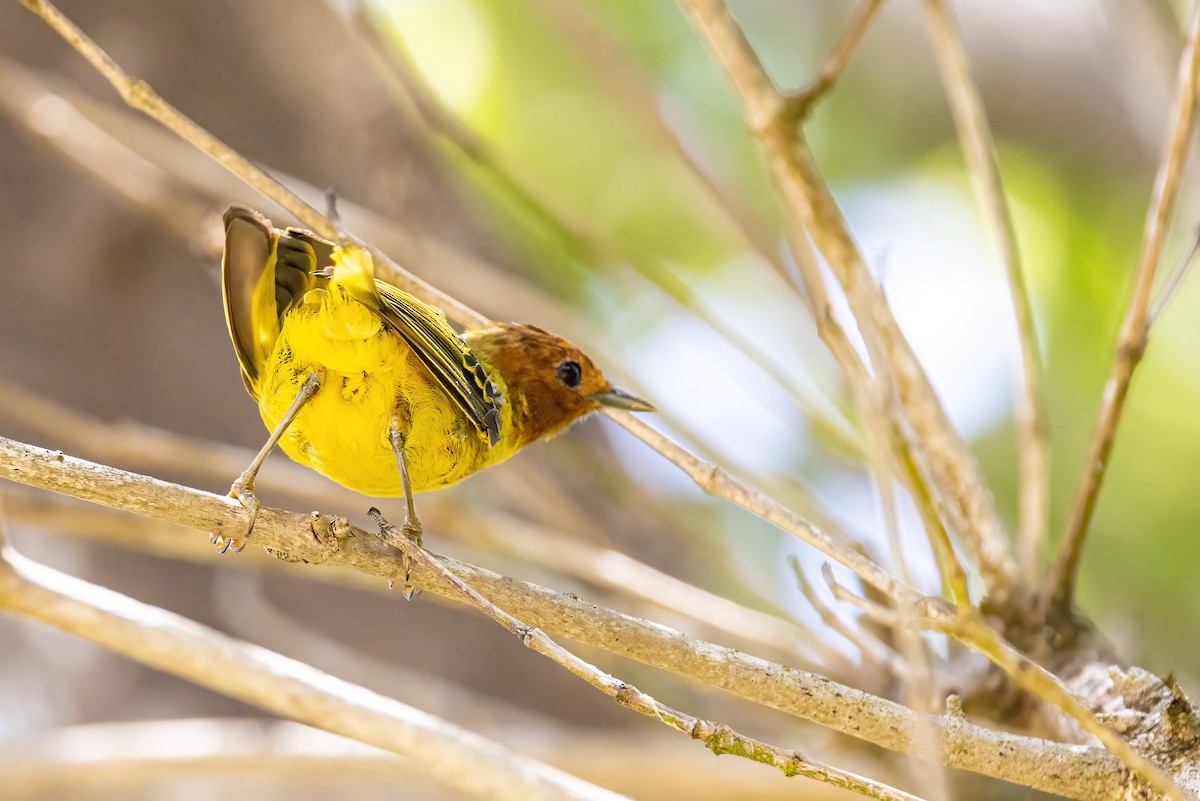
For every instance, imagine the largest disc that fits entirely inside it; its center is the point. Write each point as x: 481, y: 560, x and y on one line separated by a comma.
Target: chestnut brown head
x: 550, y: 382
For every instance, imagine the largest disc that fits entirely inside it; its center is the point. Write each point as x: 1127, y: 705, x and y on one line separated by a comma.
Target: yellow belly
x: 369, y: 374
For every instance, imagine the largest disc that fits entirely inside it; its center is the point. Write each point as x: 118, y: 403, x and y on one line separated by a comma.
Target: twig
x: 718, y: 738
x: 1058, y: 590
x: 715, y: 481
x: 869, y: 645
x: 956, y: 479
x: 1083, y: 773
x: 801, y: 103
x: 979, y: 152
x: 1175, y: 280
x: 273, y: 682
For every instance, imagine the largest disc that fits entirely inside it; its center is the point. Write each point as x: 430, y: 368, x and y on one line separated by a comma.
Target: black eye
x: 570, y: 373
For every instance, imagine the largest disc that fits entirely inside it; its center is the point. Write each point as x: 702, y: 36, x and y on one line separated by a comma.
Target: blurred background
x: 583, y: 166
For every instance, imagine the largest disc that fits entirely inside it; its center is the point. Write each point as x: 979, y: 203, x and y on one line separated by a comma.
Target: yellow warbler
x: 369, y: 386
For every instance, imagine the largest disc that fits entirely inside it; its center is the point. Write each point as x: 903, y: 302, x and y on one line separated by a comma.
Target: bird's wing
x: 448, y: 358
x: 247, y: 273
x: 264, y: 272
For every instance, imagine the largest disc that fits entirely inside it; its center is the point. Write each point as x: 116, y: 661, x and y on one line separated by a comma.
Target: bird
x: 372, y: 387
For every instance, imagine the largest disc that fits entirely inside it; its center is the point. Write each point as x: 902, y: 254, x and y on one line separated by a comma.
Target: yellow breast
x: 369, y: 375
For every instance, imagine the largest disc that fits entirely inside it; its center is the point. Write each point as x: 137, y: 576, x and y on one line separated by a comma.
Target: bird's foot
x: 410, y: 530
x: 243, y: 491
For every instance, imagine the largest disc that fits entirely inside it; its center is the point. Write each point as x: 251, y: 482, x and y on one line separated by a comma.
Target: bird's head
x: 549, y: 382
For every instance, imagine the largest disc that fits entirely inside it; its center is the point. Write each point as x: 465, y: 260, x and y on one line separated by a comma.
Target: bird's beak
x: 620, y: 399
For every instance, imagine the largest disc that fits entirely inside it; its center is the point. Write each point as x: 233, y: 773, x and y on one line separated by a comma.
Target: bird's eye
x: 570, y: 373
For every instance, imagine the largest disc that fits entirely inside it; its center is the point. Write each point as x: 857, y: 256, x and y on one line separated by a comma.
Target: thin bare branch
x: 979, y: 152
x: 718, y: 738
x: 273, y: 682
x: 801, y: 103
x: 1174, y: 281
x: 1058, y: 590
x: 957, y: 481
x: 869, y: 645
x: 1088, y: 774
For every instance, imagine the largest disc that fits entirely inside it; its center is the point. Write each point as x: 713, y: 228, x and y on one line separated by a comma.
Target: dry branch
x: 835, y: 64
x: 273, y: 682
x: 718, y: 738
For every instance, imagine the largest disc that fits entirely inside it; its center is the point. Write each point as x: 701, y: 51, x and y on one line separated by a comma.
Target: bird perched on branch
x: 371, y: 387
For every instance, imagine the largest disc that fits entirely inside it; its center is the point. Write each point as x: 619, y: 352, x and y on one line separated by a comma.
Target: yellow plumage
x: 342, y: 432
x: 340, y: 362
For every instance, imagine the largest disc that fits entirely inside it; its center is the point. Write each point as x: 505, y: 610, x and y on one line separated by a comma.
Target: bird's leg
x: 243, y: 487
x: 411, y: 527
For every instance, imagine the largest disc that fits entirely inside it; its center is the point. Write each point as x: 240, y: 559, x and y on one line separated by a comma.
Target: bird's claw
x: 242, y: 491
x: 411, y: 529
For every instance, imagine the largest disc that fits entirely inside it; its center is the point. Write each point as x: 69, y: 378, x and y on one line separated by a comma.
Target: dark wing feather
x: 248, y: 245
x: 448, y: 358
x: 253, y: 248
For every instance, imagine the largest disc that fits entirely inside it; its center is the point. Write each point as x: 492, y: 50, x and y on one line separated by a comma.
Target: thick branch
x: 273, y: 682
x: 149, y: 448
